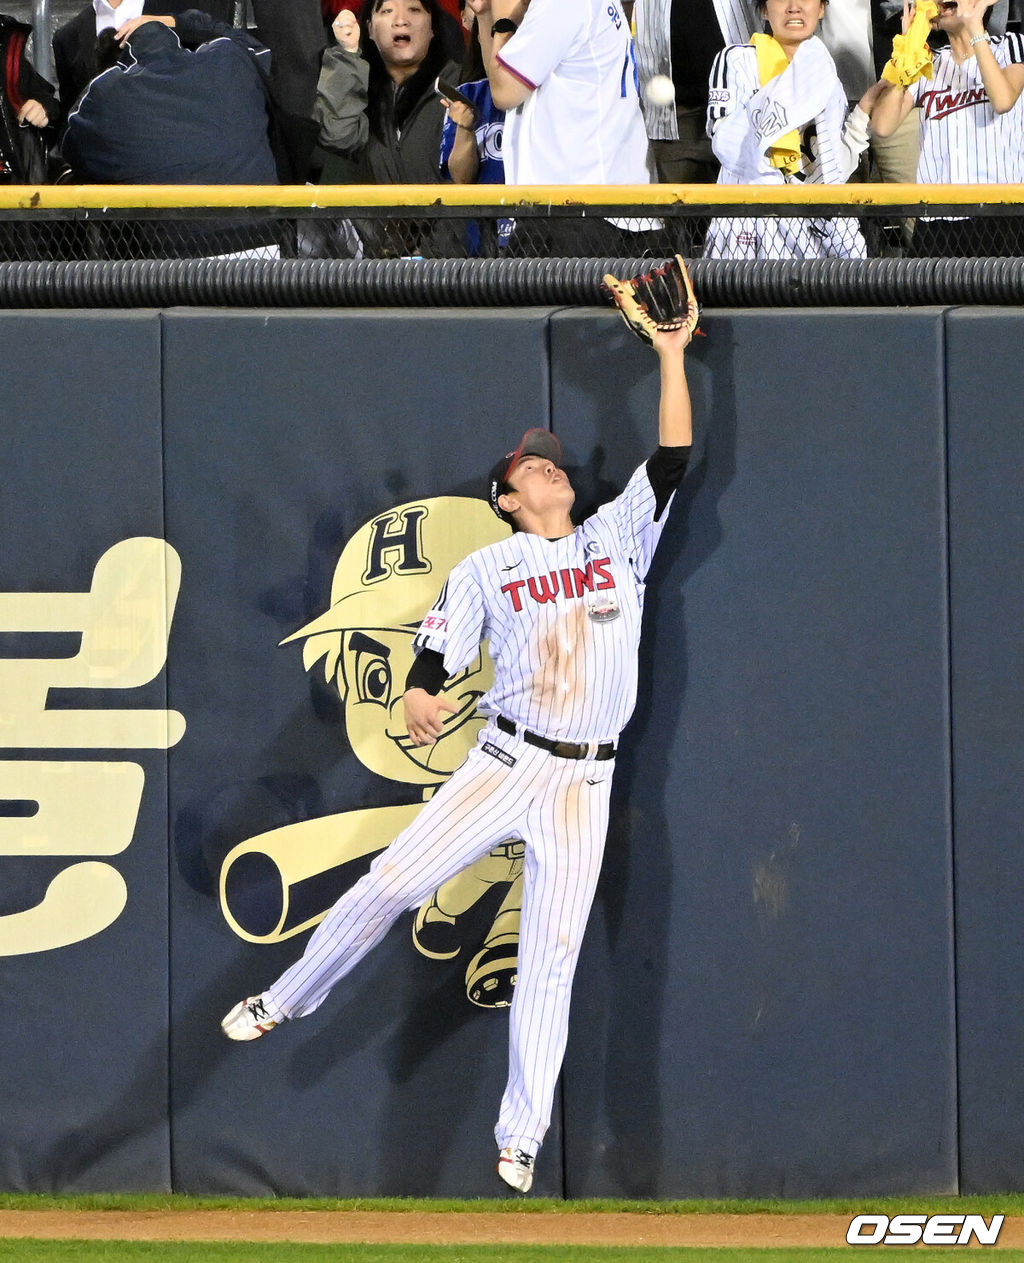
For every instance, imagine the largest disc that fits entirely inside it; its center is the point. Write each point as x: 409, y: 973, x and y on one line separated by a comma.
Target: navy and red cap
x: 534, y: 442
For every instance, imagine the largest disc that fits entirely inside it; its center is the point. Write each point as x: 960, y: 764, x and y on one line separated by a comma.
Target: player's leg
x: 565, y: 833
x: 478, y: 807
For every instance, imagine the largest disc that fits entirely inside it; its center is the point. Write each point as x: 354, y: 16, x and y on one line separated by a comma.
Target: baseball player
x: 766, y: 100
x: 972, y: 124
x: 561, y: 607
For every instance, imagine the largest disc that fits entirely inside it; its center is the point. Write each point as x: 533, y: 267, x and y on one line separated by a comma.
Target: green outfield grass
x: 34, y: 1250
x: 146, y: 1252
x: 1010, y: 1204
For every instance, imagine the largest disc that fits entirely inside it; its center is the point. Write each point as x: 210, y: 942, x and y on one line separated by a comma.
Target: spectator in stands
x: 380, y: 118
x: 162, y: 114
x: 778, y: 113
x: 972, y: 126
x: 331, y: 8
x: 376, y: 104
x: 74, y: 43
x: 565, y: 75
x: 471, y: 139
x: 28, y: 110
x: 679, y: 39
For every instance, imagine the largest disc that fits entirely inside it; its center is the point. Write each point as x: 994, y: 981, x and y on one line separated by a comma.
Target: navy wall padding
x: 83, y: 1096
x: 800, y: 975
x: 766, y: 1005
x: 986, y: 534
x: 305, y: 427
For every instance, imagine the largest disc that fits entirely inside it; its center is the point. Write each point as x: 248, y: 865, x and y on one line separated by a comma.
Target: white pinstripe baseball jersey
x: 562, y: 617
x: 963, y: 139
x: 652, y: 20
x: 746, y: 118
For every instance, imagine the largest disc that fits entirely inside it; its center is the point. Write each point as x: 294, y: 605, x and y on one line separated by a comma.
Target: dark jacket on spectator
x: 22, y: 146
x: 403, y: 146
x: 165, y: 115
x: 74, y: 44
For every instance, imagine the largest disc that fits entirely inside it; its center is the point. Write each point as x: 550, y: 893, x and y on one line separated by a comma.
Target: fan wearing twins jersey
x: 561, y: 607
x: 751, y: 115
x: 972, y: 126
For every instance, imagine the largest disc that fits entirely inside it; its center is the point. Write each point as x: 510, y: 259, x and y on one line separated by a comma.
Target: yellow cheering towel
x: 771, y: 62
x: 911, y: 57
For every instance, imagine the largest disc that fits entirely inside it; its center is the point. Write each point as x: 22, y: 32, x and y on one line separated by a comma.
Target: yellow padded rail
x: 302, y: 196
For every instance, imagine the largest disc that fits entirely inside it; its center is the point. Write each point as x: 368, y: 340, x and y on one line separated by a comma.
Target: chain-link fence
x: 859, y: 228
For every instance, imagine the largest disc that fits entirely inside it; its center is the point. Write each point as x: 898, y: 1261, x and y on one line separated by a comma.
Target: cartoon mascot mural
x: 281, y: 883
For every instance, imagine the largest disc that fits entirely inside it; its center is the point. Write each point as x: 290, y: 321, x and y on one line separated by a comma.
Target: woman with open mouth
x: 379, y: 116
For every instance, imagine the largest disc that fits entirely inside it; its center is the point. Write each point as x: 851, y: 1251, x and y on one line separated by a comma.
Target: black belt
x: 560, y: 749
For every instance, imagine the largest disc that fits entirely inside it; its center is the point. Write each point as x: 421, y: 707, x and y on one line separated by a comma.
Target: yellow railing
x: 302, y: 196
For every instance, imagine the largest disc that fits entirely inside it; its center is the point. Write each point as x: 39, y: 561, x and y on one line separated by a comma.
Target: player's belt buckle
x: 560, y: 749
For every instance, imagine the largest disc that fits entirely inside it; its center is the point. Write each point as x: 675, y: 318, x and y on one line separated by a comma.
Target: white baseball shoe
x: 516, y: 1168
x: 249, y: 1019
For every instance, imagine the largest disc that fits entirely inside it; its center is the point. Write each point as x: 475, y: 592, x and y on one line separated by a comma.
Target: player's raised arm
x: 675, y: 416
x: 661, y: 309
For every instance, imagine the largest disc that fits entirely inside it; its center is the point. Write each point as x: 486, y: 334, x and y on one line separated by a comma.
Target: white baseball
x: 660, y: 90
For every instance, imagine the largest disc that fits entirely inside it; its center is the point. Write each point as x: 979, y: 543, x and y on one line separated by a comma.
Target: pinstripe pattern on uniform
x: 963, y: 140
x: 559, y: 670
x: 564, y: 619
x: 565, y: 831
x: 559, y: 809
x: 809, y: 90
x: 651, y: 21
x: 472, y: 812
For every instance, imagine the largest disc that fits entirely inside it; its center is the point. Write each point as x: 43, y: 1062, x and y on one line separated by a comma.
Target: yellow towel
x: 772, y: 61
x: 911, y: 57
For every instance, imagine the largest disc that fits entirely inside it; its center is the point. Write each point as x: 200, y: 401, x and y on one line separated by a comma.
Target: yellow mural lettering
x: 80, y: 901
x: 124, y: 620
x: 76, y: 807
x: 81, y: 808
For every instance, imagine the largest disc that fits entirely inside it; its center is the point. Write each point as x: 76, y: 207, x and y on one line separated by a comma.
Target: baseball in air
x: 660, y: 90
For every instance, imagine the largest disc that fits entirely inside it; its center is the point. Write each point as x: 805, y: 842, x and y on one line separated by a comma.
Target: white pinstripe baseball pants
x: 559, y: 808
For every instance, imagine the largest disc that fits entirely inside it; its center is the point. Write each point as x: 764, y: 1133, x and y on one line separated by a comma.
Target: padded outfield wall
x: 801, y: 974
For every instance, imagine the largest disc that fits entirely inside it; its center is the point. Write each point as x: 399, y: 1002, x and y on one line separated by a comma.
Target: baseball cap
x: 535, y: 442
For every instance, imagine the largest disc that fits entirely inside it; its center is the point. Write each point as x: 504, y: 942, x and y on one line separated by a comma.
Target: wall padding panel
x: 986, y: 533
x: 765, y: 1004
x: 85, y: 587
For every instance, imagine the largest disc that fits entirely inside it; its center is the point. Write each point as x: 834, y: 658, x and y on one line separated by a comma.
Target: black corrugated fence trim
x: 499, y: 282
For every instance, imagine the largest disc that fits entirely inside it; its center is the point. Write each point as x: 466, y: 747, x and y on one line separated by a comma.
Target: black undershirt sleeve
x: 427, y: 672
x: 665, y: 469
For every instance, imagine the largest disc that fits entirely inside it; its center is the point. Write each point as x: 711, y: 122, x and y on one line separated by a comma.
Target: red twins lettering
x: 571, y: 583
x: 939, y: 104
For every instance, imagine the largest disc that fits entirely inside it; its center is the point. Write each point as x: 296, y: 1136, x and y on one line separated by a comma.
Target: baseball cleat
x: 249, y: 1019
x: 516, y: 1168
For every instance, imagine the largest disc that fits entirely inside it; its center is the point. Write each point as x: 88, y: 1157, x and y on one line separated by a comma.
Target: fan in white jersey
x: 792, y: 126
x: 565, y: 75
x: 972, y: 126
x: 561, y: 607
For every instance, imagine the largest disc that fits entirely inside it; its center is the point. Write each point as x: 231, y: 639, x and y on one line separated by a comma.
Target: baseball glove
x: 659, y: 301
